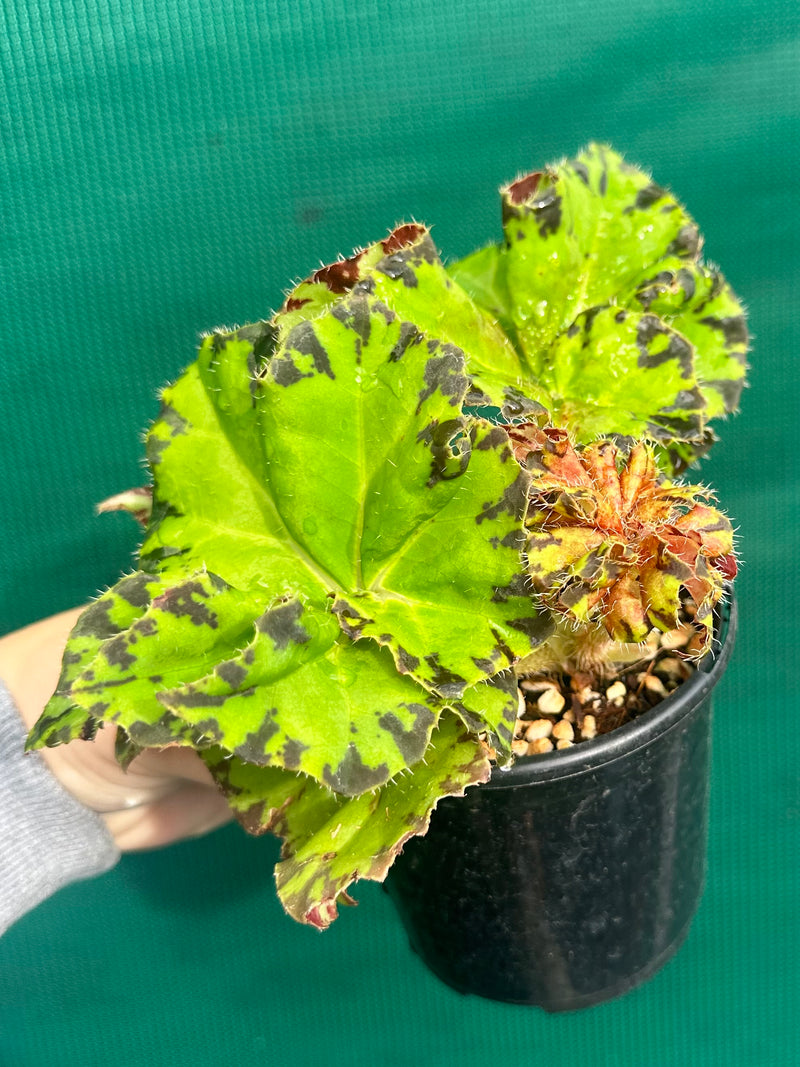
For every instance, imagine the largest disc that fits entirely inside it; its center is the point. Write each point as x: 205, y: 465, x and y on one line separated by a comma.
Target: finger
x: 191, y: 811
x: 175, y: 762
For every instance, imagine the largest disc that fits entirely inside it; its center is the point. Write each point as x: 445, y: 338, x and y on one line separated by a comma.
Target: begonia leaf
x: 696, y: 301
x: 183, y: 632
x: 492, y: 706
x: 577, y: 234
x: 302, y: 695
x: 617, y: 368
x: 331, y: 840
x: 299, y: 478
x: 405, y: 273
x: 105, y: 618
x: 589, y: 238
x: 395, y: 485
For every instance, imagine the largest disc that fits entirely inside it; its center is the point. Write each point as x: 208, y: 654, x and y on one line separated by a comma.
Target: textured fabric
x: 47, y: 839
x: 168, y: 166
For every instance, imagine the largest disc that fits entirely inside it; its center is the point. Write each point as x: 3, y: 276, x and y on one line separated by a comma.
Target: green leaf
x: 580, y: 232
x: 212, y: 499
x: 125, y: 750
x: 482, y: 275
x: 492, y: 706
x: 428, y: 602
x: 187, y: 628
x: 405, y: 273
x: 298, y: 477
x: 62, y: 719
x: 330, y: 841
x: 699, y: 303
x: 257, y: 795
x: 392, y: 500
x: 594, y: 236
x: 617, y: 368
x: 302, y: 696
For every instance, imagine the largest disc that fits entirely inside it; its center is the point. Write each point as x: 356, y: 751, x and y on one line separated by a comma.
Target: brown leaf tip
x: 524, y: 188
x: 322, y: 915
x: 403, y: 237
x: 340, y: 277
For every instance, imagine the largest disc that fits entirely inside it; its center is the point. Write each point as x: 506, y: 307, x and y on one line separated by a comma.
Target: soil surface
x: 560, y: 710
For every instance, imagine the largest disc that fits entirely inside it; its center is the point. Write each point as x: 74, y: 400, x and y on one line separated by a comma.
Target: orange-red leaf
x: 713, y: 528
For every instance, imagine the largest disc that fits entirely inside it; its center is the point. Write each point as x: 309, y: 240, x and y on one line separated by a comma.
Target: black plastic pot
x: 572, y: 877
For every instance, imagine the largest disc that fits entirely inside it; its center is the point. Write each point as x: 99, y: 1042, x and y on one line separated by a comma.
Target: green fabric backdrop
x: 167, y: 166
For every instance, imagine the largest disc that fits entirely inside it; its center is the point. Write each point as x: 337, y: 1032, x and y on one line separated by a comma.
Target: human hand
x: 163, y: 797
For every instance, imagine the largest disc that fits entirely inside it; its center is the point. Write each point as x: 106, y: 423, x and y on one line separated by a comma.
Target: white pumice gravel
x: 675, y: 667
x: 536, y: 685
x: 543, y: 744
x: 562, y: 710
x: 538, y: 728
x: 654, y: 685
x: 616, y: 693
x: 562, y: 731
x: 587, y: 694
x: 551, y: 702
x: 677, y: 638
x: 589, y: 727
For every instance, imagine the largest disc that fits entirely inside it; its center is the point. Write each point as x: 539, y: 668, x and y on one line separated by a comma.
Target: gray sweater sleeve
x: 47, y: 838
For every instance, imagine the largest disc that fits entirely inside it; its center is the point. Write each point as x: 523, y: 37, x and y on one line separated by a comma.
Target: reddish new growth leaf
x: 612, y: 542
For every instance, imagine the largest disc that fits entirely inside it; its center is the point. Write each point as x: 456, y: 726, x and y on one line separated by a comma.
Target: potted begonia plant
x: 425, y: 521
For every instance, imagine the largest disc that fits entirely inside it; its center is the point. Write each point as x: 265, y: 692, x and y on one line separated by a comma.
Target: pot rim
x: 635, y: 735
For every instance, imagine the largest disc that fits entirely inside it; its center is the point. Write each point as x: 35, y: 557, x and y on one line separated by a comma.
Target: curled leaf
x: 329, y: 840
x: 621, y: 327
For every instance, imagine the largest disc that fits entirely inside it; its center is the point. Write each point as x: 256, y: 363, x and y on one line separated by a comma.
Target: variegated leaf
x: 297, y: 476
x: 187, y: 628
x: 595, y: 233
x: 302, y: 696
x: 405, y: 273
x: 330, y: 840
x: 446, y: 584
x: 696, y: 301
x: 615, y: 368
x: 492, y: 706
x: 577, y: 234
x: 398, y: 484
x: 63, y: 720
